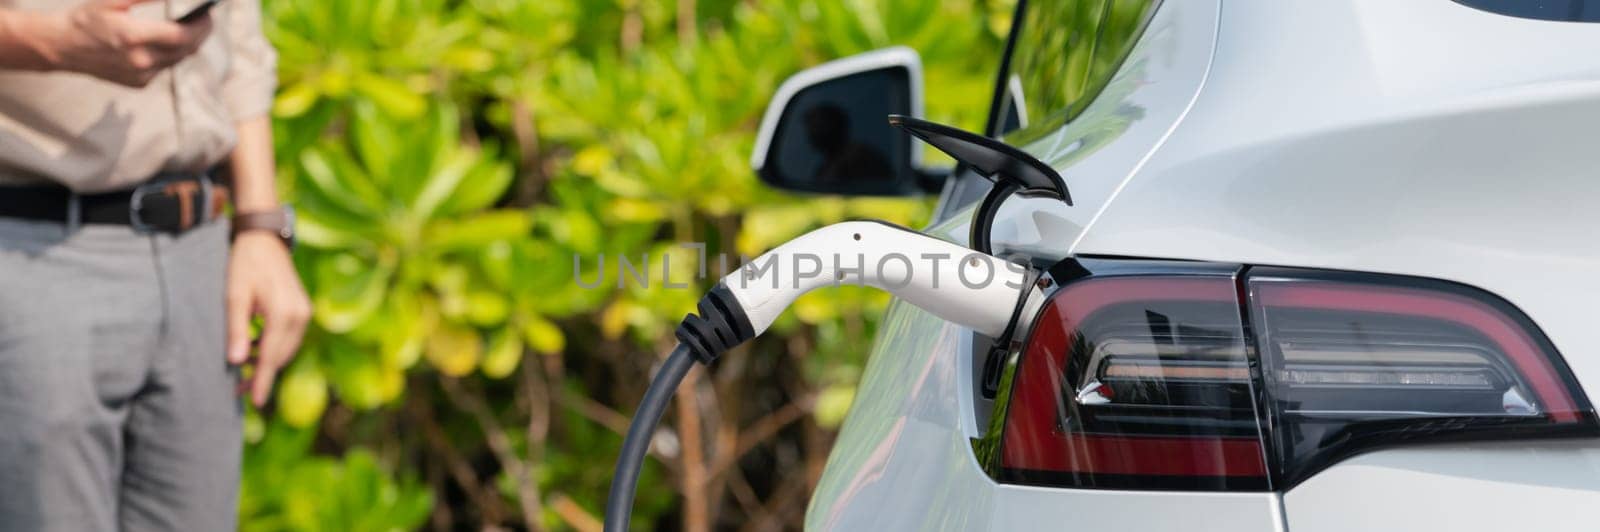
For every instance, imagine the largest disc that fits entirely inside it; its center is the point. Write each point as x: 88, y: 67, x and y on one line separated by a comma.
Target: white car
x: 1328, y: 266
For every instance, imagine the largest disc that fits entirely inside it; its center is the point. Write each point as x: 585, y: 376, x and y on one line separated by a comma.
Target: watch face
x: 288, y: 222
x: 287, y: 231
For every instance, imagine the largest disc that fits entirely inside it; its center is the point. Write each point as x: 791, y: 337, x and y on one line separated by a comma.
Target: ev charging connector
x: 990, y: 295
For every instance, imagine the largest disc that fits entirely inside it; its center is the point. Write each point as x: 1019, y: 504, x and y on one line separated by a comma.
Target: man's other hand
x: 100, y: 38
x: 262, y: 282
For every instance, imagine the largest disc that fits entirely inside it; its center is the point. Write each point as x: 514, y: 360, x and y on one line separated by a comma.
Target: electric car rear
x: 1327, y: 266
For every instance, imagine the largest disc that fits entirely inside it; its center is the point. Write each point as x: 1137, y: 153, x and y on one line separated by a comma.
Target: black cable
x: 721, y: 325
x: 625, y: 482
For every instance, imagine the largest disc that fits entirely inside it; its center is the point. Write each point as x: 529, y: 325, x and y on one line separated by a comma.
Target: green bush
x: 450, y: 158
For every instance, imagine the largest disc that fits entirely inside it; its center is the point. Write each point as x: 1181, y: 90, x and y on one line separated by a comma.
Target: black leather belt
x: 170, y: 203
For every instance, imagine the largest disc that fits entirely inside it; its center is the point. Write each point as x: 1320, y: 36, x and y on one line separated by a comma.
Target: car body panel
x: 1547, y: 485
x: 1478, y: 171
x: 1421, y: 138
x: 1430, y: 139
x: 903, y: 459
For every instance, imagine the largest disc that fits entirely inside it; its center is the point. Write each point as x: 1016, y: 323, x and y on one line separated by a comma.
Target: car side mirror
x: 826, y: 130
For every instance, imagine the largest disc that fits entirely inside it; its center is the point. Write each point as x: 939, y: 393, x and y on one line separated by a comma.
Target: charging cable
x: 969, y: 288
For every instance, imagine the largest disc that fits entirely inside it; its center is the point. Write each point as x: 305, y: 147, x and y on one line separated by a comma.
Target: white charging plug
x: 963, y: 286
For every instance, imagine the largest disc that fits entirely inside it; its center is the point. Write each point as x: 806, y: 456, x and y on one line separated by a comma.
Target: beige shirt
x: 93, y: 135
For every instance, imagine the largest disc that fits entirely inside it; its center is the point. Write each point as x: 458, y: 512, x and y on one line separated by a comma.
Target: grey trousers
x: 117, y: 406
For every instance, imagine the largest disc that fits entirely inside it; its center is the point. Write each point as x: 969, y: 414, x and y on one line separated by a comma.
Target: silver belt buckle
x: 136, y: 203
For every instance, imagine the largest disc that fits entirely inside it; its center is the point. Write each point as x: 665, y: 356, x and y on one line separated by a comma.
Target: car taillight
x: 1210, y: 380
x: 1353, y: 362
x: 1136, y: 382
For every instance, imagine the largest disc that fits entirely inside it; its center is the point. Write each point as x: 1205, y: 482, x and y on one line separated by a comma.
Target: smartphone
x: 198, y: 11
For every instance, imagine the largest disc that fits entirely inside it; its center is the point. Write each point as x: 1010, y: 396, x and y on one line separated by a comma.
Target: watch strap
x: 275, y: 221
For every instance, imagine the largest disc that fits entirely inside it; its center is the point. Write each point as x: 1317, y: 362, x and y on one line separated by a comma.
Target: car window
x: 1062, y: 54
x: 1065, y: 53
x: 1561, y: 10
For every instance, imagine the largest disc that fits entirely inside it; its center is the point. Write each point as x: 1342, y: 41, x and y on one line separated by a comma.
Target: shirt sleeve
x: 253, y: 66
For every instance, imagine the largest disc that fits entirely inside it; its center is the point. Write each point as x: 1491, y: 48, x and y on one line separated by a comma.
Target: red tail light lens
x: 1354, y: 362
x: 1136, y: 382
x: 1209, y: 380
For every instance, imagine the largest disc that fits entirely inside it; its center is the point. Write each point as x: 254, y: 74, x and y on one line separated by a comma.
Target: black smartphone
x: 198, y: 11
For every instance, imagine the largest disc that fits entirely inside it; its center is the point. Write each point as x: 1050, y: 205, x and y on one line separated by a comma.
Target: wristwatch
x: 280, y: 222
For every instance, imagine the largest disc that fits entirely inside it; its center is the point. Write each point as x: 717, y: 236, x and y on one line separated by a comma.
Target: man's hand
x: 262, y: 281
x: 100, y: 38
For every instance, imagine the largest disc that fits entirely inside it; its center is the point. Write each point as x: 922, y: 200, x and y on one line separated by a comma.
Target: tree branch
x: 765, y: 428
x: 501, y: 447
x: 695, y: 505
x: 594, y: 411
x: 573, y: 514
x: 456, y: 466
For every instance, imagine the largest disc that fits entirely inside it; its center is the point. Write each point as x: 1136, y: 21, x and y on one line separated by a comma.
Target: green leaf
x: 485, y: 184
x: 357, y: 376
x: 505, y: 352
x: 349, y: 290
x: 439, y: 185
x: 575, y: 229
x: 543, y: 336
x: 377, y: 140
x: 395, y: 98
x: 295, y: 100
x: 478, y: 230
x: 449, y: 281
x: 411, y: 318
x: 339, y: 180
x: 833, y: 404
x: 454, y: 349
x: 255, y: 428
x: 303, y: 395
x: 313, y: 229
x: 487, y: 308
x: 470, y: 59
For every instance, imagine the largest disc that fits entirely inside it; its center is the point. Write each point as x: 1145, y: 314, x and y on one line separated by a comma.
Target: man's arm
x: 98, y: 38
x: 261, y: 278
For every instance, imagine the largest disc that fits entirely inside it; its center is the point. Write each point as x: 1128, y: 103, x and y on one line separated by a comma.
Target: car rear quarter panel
x: 1317, y: 143
x: 904, y: 460
x: 1420, y: 138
